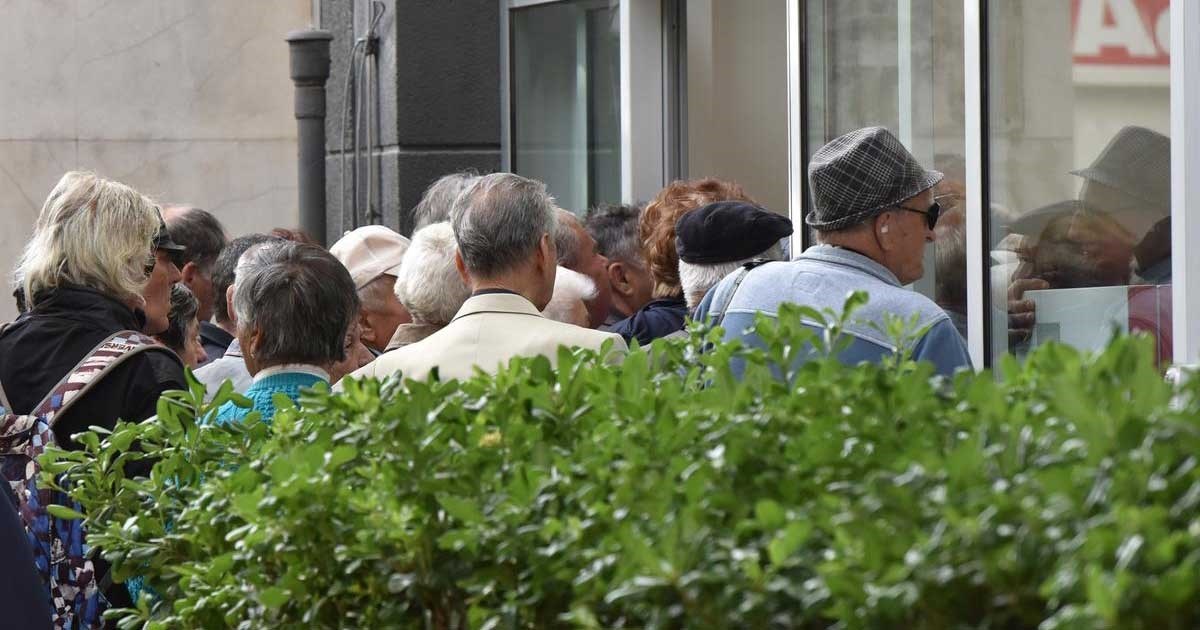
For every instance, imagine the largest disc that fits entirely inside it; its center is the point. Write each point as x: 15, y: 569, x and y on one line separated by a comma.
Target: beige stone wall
x: 186, y: 100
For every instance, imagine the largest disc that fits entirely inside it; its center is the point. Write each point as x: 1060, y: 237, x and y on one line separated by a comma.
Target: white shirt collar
x: 302, y: 368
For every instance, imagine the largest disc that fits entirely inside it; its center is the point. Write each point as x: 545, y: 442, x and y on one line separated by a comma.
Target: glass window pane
x: 736, y: 82
x: 1079, y: 172
x: 899, y: 64
x: 566, y: 124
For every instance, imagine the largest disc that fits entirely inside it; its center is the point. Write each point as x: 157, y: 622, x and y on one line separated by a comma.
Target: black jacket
x: 215, y: 341
x: 24, y: 600
x: 38, y: 349
x: 658, y: 318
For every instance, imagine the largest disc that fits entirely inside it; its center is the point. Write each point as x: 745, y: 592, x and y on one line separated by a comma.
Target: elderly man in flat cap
x: 873, y: 215
x: 717, y: 239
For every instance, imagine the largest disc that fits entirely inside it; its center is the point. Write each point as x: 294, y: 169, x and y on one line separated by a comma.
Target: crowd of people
x: 493, y: 270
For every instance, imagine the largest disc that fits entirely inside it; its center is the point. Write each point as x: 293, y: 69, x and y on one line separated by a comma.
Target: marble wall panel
x: 38, y: 47
x: 250, y: 185
x: 28, y: 170
x: 176, y: 69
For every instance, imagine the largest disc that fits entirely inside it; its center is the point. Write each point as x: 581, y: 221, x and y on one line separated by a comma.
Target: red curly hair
x: 657, y: 226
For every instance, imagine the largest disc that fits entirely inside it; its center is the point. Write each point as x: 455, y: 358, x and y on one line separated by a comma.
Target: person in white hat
x: 372, y: 254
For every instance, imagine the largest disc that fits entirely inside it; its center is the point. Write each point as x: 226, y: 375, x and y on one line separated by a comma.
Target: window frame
x: 648, y: 70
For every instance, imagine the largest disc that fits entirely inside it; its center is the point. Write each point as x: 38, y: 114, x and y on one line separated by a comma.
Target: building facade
x: 1066, y: 130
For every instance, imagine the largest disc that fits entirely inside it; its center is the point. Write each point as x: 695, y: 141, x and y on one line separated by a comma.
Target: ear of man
x: 884, y: 233
x: 190, y: 273
x: 462, y: 268
x: 619, y: 279
x: 229, y: 311
x: 366, y: 332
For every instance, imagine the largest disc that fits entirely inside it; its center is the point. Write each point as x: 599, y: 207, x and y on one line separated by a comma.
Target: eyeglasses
x: 931, y: 215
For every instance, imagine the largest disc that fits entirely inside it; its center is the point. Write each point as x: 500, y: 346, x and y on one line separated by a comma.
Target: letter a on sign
x: 1125, y: 30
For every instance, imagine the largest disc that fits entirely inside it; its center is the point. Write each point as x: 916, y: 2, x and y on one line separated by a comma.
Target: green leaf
x: 788, y: 541
x: 63, y: 512
x: 273, y: 597
x: 461, y: 508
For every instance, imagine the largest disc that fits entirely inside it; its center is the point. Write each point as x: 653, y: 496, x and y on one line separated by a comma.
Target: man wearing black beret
x: 720, y: 237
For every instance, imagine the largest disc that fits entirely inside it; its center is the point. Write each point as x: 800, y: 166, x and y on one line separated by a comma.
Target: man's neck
x: 522, y: 285
x: 228, y: 327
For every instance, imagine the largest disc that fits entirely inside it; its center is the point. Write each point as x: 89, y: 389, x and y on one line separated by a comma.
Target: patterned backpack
x: 59, y: 545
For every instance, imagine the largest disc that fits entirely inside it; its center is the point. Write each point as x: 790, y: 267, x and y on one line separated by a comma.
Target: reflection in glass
x: 566, y: 125
x: 1079, y: 169
x: 900, y: 65
x: 736, y: 78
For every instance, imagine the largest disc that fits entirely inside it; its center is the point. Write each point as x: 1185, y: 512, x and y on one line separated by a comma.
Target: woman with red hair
x: 666, y: 312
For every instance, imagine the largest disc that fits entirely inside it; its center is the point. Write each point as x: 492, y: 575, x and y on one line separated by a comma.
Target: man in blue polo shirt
x: 873, y: 215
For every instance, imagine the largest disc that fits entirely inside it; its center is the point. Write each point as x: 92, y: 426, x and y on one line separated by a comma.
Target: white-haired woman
x: 428, y: 284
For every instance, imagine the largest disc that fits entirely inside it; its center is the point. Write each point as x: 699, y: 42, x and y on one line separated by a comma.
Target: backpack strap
x: 718, y: 314
x: 106, y: 356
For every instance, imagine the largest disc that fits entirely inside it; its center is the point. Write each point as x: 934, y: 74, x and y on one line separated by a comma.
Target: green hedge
x: 664, y: 493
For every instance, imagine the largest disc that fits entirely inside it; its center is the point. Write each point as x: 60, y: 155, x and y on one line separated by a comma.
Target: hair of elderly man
x: 376, y: 294
x: 299, y: 299
x: 184, y: 306
x: 566, y: 238
x: 615, y: 228
x: 439, y: 198
x: 656, y: 227
x: 200, y: 232
x: 91, y: 232
x: 698, y: 280
x: 226, y: 265
x: 571, y: 290
x: 428, y: 284
x: 499, y: 222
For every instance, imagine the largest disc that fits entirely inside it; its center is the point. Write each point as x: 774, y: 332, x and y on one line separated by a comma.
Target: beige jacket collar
x: 496, y: 303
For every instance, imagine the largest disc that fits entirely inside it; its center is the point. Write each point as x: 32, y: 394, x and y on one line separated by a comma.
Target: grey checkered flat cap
x: 861, y: 174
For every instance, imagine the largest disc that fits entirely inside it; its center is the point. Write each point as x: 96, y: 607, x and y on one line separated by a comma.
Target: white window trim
x: 643, y: 135
x: 797, y: 168
x: 1185, y: 187
x: 977, y: 281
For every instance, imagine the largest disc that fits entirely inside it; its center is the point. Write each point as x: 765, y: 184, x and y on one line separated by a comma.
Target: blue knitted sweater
x: 262, y: 393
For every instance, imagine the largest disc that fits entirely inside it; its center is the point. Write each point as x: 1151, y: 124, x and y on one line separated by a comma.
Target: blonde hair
x: 91, y: 232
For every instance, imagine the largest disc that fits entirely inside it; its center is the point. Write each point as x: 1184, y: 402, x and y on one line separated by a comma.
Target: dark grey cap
x: 861, y: 174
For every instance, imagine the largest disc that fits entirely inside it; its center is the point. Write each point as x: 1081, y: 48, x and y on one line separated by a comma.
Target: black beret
x: 727, y: 231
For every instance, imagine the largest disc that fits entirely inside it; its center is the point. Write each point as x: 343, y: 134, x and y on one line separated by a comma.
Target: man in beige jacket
x: 504, y: 226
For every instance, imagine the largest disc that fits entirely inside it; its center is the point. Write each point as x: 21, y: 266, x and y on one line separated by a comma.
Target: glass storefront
x: 898, y: 64
x: 565, y: 95
x: 736, y: 96
x: 1061, y: 123
x: 1079, y: 168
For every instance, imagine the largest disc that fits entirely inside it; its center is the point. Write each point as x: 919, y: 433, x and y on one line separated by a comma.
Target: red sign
x: 1122, y: 32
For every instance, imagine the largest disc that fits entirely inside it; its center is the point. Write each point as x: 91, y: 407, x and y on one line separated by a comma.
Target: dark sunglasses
x: 931, y: 215
x: 176, y: 258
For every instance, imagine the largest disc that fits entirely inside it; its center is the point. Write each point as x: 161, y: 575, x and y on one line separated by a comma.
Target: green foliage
x: 665, y: 493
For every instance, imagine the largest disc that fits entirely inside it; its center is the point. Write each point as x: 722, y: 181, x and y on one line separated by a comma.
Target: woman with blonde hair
x: 96, y: 274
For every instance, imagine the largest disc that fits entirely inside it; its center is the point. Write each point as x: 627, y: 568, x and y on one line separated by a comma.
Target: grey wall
x: 188, y: 101
x: 439, y: 100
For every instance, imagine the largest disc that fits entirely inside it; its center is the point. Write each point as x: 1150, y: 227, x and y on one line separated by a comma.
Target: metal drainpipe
x: 310, y: 69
